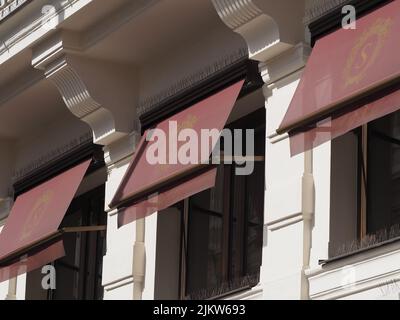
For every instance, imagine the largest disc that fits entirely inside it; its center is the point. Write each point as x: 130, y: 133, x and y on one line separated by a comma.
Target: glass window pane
x: 255, y: 219
x: 383, y: 173
x: 205, y: 238
x: 79, y: 272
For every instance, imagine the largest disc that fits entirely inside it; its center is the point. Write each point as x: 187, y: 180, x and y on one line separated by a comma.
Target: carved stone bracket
x: 100, y: 93
x: 269, y: 27
x: 289, y: 62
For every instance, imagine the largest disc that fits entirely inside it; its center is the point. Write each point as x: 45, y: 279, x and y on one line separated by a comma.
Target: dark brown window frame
x: 88, y: 231
x: 86, y: 202
x: 184, y: 206
x: 332, y: 20
x: 362, y: 199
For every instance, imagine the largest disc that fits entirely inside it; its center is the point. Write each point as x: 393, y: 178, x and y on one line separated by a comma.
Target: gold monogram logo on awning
x: 189, y: 123
x: 36, y: 214
x: 366, y: 51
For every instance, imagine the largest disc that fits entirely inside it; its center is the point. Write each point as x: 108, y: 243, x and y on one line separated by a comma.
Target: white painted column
x: 4, y: 286
x: 12, y: 289
x: 297, y: 188
x: 125, y: 278
x: 297, y: 203
x: 285, y: 247
x: 117, y: 263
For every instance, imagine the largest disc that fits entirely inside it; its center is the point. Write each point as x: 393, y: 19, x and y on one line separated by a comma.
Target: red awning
x: 144, y: 179
x: 30, y: 238
x: 347, y: 70
x: 168, y: 197
x: 32, y: 260
x: 340, y: 124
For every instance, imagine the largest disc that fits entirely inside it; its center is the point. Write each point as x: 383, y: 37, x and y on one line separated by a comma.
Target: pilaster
x: 275, y: 34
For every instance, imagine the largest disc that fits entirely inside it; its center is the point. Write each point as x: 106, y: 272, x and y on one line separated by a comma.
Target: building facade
x: 83, y: 81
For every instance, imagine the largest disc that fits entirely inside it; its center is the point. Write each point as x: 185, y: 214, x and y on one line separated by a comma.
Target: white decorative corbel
x: 289, y: 62
x: 269, y: 27
x: 101, y: 93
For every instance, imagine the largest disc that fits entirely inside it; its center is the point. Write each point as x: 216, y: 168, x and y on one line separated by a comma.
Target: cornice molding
x: 261, y: 23
x: 36, y: 26
x: 33, y: 23
x: 9, y: 7
x: 85, y: 85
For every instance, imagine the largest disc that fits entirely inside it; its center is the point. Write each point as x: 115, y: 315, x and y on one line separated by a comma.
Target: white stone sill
x: 363, y: 271
x: 249, y: 294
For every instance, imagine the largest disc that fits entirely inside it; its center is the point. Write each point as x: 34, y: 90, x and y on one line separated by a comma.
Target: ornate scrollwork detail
x: 267, y: 32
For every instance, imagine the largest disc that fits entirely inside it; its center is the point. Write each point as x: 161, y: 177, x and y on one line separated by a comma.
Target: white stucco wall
x: 3, y: 290
x: 117, y: 263
x: 322, y: 180
x: 285, y: 231
x: 183, y: 66
x: 49, y: 141
x: 21, y: 281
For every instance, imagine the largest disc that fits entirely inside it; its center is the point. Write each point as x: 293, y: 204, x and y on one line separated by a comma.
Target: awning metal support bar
x: 84, y: 229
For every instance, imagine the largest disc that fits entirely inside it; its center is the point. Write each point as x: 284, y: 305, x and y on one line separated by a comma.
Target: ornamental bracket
x: 100, y: 93
x: 269, y: 27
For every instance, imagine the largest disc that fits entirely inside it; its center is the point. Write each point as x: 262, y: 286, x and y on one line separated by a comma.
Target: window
x: 79, y: 273
x: 222, y: 229
x: 366, y: 179
x: 383, y: 174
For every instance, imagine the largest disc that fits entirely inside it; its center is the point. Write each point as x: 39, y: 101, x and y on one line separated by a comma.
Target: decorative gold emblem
x: 36, y: 214
x: 188, y: 123
x: 366, y: 50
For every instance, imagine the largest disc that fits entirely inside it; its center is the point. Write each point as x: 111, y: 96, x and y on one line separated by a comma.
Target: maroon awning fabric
x: 340, y: 124
x: 33, y: 224
x: 168, y: 197
x: 143, y: 179
x: 345, y: 68
x: 32, y: 260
